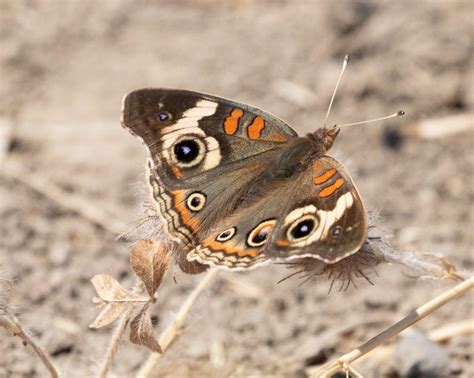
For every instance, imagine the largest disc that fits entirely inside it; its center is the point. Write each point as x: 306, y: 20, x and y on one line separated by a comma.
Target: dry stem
x: 114, y: 343
x: 449, y: 331
x: 13, y: 324
x: 173, y: 330
x: 436, y: 128
x: 342, y: 363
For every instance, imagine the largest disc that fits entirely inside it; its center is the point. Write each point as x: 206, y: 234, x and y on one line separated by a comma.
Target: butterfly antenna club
x: 394, y: 115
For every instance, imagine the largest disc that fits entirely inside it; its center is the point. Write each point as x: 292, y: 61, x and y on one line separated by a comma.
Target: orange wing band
x: 324, y: 177
x: 221, y: 247
x: 186, y: 215
x: 331, y: 188
x: 231, y: 123
x: 254, y: 130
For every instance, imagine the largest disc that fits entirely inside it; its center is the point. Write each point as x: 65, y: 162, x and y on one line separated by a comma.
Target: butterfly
x: 236, y: 187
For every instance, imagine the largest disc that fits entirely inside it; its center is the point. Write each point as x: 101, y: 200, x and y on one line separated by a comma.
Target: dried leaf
x: 109, y: 290
x: 149, y: 260
x: 109, y: 314
x: 141, y: 331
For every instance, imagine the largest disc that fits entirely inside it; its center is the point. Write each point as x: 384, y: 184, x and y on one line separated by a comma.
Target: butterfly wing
x: 315, y: 213
x: 204, y: 153
x: 209, y: 174
x: 238, y: 240
x: 326, y: 219
x: 189, y: 133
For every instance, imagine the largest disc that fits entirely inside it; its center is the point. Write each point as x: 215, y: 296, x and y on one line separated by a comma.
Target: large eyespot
x: 302, y: 228
x: 188, y: 152
x: 227, y: 234
x: 164, y: 116
x: 260, y: 234
x: 196, y: 201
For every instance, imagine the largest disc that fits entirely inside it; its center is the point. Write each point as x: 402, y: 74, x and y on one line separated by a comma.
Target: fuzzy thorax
x: 322, y: 139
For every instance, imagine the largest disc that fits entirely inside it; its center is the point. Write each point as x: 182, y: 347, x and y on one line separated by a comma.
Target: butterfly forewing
x: 190, y: 134
x: 204, y: 153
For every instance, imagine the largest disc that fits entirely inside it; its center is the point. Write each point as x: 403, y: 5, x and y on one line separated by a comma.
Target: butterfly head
x: 323, y: 139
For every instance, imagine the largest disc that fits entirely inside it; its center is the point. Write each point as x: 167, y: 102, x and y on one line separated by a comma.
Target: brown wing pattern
x: 230, y: 192
x: 326, y: 219
x: 204, y: 153
x: 223, y: 132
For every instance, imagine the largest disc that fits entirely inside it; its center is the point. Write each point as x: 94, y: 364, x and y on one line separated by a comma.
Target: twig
x: 426, y: 265
x: 70, y: 202
x: 435, y: 128
x: 114, y: 343
x: 243, y: 287
x: 449, y: 331
x: 13, y: 324
x: 173, y: 330
x: 342, y: 363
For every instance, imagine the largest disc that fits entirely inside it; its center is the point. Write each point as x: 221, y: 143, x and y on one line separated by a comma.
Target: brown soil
x: 64, y: 69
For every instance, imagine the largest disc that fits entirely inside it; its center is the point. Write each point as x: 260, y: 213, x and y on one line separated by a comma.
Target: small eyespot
x: 336, y: 231
x: 302, y: 228
x: 188, y: 152
x: 164, y: 116
x: 260, y: 234
x: 196, y: 201
x: 227, y: 234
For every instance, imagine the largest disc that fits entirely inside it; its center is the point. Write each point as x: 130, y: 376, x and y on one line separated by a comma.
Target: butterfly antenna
x: 397, y: 114
x: 344, y: 65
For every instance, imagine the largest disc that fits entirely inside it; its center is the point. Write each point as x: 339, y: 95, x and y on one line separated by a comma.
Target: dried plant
x: 10, y: 322
x: 343, y: 363
x: 376, y: 250
x: 5, y: 292
x: 149, y: 260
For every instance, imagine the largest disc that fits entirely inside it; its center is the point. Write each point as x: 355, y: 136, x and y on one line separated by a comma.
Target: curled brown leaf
x: 141, y: 330
x: 109, y: 290
x: 150, y: 260
x: 109, y: 314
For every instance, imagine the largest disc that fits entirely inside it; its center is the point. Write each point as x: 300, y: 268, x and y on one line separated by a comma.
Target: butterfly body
x: 236, y: 187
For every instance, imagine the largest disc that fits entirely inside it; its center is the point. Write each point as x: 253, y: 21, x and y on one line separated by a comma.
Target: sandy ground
x: 64, y: 69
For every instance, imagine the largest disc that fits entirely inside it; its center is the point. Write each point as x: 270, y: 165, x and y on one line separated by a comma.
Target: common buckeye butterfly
x: 236, y: 187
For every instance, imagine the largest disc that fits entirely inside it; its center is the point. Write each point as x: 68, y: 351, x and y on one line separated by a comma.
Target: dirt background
x: 65, y: 66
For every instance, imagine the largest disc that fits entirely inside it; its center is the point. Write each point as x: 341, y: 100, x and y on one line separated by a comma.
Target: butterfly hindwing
x: 317, y: 213
x: 326, y: 218
x: 190, y: 212
x: 239, y: 239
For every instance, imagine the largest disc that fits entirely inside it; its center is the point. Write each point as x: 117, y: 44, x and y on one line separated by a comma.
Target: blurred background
x: 64, y: 68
